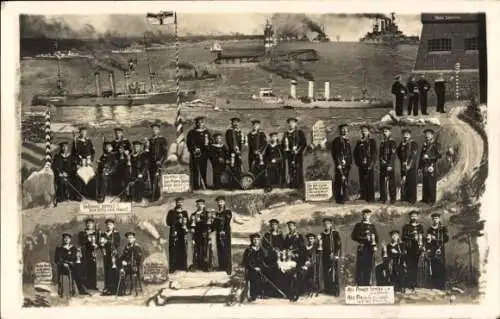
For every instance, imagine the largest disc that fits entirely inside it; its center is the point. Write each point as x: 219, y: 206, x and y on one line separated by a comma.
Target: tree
x: 469, y: 221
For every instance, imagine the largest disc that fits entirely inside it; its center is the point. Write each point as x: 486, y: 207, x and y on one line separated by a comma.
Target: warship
x: 133, y: 94
x: 386, y: 31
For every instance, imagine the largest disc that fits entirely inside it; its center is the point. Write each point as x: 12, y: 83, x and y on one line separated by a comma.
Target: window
x: 436, y: 45
x: 471, y: 44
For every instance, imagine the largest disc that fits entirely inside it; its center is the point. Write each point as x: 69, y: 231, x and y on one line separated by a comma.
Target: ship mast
x: 151, y: 75
x: 58, y: 59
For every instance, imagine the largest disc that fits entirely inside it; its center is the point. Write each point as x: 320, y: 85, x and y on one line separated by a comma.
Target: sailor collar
x: 415, y: 224
x: 201, y: 129
x: 90, y: 231
x: 66, y: 155
x: 136, y: 154
x: 328, y: 231
x: 255, y: 132
x: 107, y: 232
x: 273, y: 144
x: 83, y: 139
x: 436, y: 226
x: 292, y: 130
x: 274, y: 233
x: 393, y: 244
x: 255, y: 248
x: 366, y: 222
x: 309, y: 247
x: 122, y: 139
x: 67, y: 246
x: 294, y: 234
x: 218, y: 145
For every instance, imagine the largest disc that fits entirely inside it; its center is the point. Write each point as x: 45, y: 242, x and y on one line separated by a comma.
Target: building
x: 455, y: 44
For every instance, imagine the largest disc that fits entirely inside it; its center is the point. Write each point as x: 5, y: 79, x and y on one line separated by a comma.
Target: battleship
x: 133, y: 94
x: 386, y: 31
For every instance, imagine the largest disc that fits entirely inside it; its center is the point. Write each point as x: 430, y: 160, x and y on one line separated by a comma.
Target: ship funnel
x: 327, y: 90
x: 112, y: 82
x: 98, y: 88
x: 310, y: 92
x: 293, y: 89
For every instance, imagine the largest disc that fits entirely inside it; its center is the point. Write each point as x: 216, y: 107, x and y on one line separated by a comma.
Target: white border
x: 10, y: 253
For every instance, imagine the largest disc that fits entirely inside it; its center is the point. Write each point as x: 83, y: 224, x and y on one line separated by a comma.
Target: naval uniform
x: 397, y: 265
x: 65, y: 258
x: 307, y: 275
x: 218, y: 155
x: 255, y: 265
x: 121, y: 143
x: 437, y: 257
x: 197, y: 225
x: 294, y: 243
x: 399, y: 91
x: 64, y: 177
x: 413, y: 94
x: 84, y: 153
x: 342, y: 156
x: 440, y: 89
x: 111, y: 260
x: 387, y: 181
x: 413, y: 236
x: 407, y: 154
x: 130, y: 278
x: 234, y: 142
x: 88, y: 240
x: 423, y: 88
x: 365, y: 154
x: 331, y: 248
x: 429, y: 170
x: 107, y: 169
x: 257, y: 144
x: 198, y: 141
x: 177, y: 218
x: 158, y: 149
x: 223, y: 235
x: 294, y: 144
x: 139, y: 176
x: 274, y: 158
x: 365, y: 234
x: 122, y: 176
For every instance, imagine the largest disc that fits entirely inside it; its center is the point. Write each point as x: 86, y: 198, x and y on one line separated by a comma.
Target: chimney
x: 293, y: 89
x: 310, y: 93
x: 327, y: 90
x: 112, y: 83
x: 98, y: 88
x: 126, y: 83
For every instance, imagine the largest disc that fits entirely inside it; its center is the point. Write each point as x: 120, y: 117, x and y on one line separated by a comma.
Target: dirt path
x: 471, y: 150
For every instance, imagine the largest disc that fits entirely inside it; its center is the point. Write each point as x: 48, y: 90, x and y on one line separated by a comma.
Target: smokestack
x: 98, y: 89
x: 126, y: 83
x: 293, y: 89
x: 112, y: 83
x: 310, y: 93
x: 327, y: 90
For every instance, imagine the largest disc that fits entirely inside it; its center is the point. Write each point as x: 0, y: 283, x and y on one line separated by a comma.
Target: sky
x: 349, y: 27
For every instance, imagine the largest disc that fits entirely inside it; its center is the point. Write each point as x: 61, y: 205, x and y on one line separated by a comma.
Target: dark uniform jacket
x: 365, y: 153
x: 360, y: 232
x: 198, y: 139
x: 158, y: 149
x: 123, y: 142
x: 65, y: 255
x: 133, y: 256
x: 341, y: 150
x: 113, y: 240
x: 441, y: 236
x: 407, y: 153
x: 432, y: 151
x: 219, y: 155
x: 331, y: 242
x: 412, y: 87
x: 294, y: 242
x: 273, y: 241
x: 83, y: 149
x: 411, y: 234
x: 64, y: 163
x: 398, y: 89
x: 257, y: 142
x: 295, y: 138
x: 423, y: 86
x: 139, y: 163
x: 387, y: 153
x: 108, y: 164
x: 254, y: 257
x: 234, y: 139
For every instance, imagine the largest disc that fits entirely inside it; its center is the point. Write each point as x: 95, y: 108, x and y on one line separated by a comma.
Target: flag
x: 162, y: 18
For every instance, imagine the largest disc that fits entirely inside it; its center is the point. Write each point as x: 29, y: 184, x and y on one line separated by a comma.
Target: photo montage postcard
x: 249, y: 160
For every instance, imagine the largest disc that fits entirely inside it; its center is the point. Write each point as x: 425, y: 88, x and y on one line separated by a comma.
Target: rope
x: 48, y: 137
x: 178, y: 119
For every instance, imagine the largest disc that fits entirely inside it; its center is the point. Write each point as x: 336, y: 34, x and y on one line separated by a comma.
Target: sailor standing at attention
x: 399, y: 91
x: 342, y: 158
x: 413, y: 94
x: 158, y: 149
x: 429, y: 157
x: 407, y: 153
x: 423, y: 88
x: 387, y: 155
x: 198, y: 141
x: 257, y: 145
x: 294, y: 144
x: 234, y: 142
x: 365, y: 154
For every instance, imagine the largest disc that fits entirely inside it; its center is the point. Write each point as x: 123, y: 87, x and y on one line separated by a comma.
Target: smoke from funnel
x: 295, y: 25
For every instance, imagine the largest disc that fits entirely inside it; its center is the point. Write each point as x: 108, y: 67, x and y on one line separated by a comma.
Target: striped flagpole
x: 48, y: 137
x: 457, y: 85
x: 178, y: 119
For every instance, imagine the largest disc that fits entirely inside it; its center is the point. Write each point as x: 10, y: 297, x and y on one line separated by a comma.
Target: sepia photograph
x: 252, y: 159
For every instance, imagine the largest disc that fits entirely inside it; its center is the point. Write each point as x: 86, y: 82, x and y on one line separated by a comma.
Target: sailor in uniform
x: 177, y: 253
x: 274, y: 158
x: 64, y: 173
x: 130, y: 267
x: 88, y: 240
x: 257, y: 145
x: 294, y: 144
x: 107, y: 169
x: 273, y: 240
x: 121, y: 141
x: 219, y: 157
x: 423, y: 88
x: 197, y: 226
x: 399, y: 92
x: 331, y: 247
x: 387, y: 156
x: 122, y: 177
x: 428, y: 161
x: 306, y: 268
x: 440, y: 89
x: 365, y: 154
x: 139, y: 172
x: 413, y: 94
x: 234, y: 142
x: 255, y: 266
x: 413, y: 240
x: 294, y: 241
x: 84, y: 152
x: 198, y: 141
x: 438, y: 234
x: 408, y: 156
x: 223, y: 234
x: 342, y: 158
x: 396, y: 254
x: 110, y: 241
x: 65, y: 259
x: 365, y: 234
x: 158, y: 149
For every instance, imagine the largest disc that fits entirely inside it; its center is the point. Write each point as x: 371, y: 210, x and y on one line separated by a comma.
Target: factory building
x: 454, y: 44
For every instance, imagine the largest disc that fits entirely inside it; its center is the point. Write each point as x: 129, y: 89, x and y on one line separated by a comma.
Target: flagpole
x: 178, y: 119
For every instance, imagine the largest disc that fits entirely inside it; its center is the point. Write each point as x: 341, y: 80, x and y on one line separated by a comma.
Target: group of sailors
x: 416, y: 93
x: 291, y: 265
x: 365, y: 155
x: 201, y: 240
x: 129, y: 170
x: 77, y: 264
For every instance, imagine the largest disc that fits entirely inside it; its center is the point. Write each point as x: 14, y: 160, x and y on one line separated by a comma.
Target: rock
x: 276, y: 205
x: 297, y: 202
x: 184, y: 158
x: 172, y: 153
x: 149, y: 228
x: 433, y: 121
x: 172, y: 159
x: 39, y: 188
x: 386, y: 119
x: 175, y: 285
